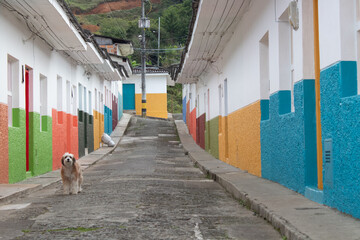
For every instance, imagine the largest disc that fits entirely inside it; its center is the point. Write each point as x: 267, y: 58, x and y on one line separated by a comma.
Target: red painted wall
x: 4, y: 147
x: 64, y: 136
x: 200, y: 131
x: 193, y: 124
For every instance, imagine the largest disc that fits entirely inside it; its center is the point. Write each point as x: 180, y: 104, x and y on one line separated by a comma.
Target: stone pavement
x: 9, y: 192
x: 147, y: 188
x: 294, y: 215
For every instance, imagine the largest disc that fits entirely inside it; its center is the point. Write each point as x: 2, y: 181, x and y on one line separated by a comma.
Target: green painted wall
x: 17, y: 149
x: 211, y: 137
x: 40, y: 144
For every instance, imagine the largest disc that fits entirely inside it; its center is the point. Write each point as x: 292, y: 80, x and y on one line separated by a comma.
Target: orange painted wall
x: 64, y: 136
x: 192, y: 127
x: 4, y: 147
x: 222, y: 135
x: 244, y: 150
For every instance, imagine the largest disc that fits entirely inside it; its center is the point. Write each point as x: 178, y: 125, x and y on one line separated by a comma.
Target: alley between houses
x: 148, y: 188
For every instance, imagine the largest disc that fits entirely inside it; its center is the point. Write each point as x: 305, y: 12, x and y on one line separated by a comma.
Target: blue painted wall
x: 288, y: 140
x: 340, y: 120
x: 120, y: 106
x: 129, y: 96
x: 264, y: 107
x: 184, y: 109
x: 107, y: 120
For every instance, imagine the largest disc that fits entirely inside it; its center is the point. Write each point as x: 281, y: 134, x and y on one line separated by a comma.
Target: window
x: 85, y: 109
x: 90, y: 108
x: 68, y: 97
x: 43, y: 102
x: 286, y: 68
x: 264, y: 67
x: 74, y: 105
x: 59, y: 99
x: 80, y: 97
x: 59, y: 93
x: 105, y: 96
x: 102, y: 103
x: 96, y: 99
x: 264, y: 76
x: 208, y: 105
x: 12, y: 88
x: 220, y: 99
x: 73, y: 100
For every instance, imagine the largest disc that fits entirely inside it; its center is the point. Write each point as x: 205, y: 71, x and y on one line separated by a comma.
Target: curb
x: 282, y: 225
x: 22, y: 193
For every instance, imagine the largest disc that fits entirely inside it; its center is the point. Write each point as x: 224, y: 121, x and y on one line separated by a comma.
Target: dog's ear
x: 62, y: 160
x: 73, y: 158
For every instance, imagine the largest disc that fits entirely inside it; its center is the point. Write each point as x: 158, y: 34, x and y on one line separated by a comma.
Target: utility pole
x: 158, y: 59
x: 143, y: 24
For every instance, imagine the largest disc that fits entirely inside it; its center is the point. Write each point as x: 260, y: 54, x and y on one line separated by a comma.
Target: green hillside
x: 119, y: 19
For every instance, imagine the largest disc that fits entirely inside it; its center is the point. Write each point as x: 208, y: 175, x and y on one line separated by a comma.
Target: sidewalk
x: 295, y: 216
x: 9, y: 192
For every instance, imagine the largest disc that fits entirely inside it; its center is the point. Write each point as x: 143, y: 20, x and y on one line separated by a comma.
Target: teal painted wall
x: 17, y: 149
x: 340, y: 122
x: 129, y: 96
x: 288, y: 140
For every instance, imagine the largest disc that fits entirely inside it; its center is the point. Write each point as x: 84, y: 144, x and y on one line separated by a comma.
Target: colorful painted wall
x: 40, y: 149
x: 184, y: 112
x: 57, y: 123
x: 244, y: 139
x: 17, y: 147
x: 120, y: 106
x: 200, y: 131
x: 340, y: 121
x: 114, y: 112
x: 4, y: 146
x: 156, y: 94
x: 212, y: 137
x: 288, y: 140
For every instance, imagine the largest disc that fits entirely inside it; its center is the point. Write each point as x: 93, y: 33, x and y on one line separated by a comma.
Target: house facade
x: 277, y: 99
x: 157, y: 81
x: 57, y: 89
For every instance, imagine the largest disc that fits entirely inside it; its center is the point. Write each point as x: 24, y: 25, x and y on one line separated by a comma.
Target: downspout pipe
x: 317, y: 94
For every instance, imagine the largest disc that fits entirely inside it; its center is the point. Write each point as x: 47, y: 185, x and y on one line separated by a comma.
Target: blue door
x: 129, y: 96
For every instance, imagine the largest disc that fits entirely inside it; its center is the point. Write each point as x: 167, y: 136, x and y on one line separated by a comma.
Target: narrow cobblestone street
x: 148, y: 188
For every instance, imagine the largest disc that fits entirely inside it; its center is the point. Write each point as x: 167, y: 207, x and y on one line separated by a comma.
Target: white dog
x: 71, y: 174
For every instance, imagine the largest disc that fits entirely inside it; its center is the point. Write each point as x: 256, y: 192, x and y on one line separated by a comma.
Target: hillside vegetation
x: 119, y: 19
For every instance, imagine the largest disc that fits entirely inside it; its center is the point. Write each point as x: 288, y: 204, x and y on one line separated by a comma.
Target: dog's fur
x: 71, y: 174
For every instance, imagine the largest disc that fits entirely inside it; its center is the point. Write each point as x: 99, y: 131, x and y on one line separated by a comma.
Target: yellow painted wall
x: 98, y: 128
x: 156, y: 105
x: 244, y: 139
x: 138, y: 104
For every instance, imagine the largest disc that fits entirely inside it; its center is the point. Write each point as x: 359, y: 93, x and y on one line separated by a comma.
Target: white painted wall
x: 155, y: 83
x: 239, y: 62
x: 36, y: 54
x: 337, y: 32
